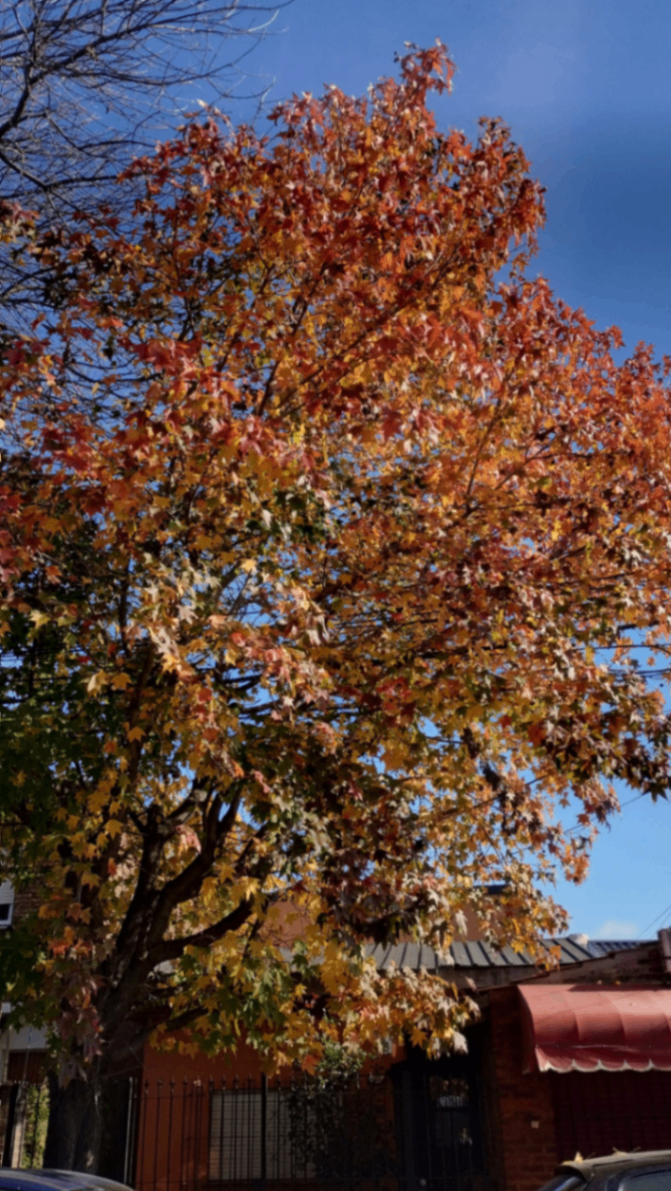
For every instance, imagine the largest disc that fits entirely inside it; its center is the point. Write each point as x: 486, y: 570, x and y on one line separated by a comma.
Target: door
x: 439, y: 1126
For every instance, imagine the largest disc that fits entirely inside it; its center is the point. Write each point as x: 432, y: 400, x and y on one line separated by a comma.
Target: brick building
x: 497, y: 1118
x: 488, y: 1120
x: 542, y: 1117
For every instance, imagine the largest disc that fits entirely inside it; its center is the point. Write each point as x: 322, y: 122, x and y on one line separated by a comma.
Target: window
x: 6, y: 904
x: 562, y: 1182
x: 236, y: 1137
x: 649, y: 1180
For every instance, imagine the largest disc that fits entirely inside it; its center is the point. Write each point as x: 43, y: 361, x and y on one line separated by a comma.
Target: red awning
x: 591, y: 1027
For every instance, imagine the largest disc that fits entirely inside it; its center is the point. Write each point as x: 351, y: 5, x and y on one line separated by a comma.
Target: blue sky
x: 585, y: 86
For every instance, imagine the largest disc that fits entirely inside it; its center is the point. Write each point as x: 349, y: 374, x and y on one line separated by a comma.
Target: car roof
x: 618, y: 1160
x: 30, y: 1179
x: 55, y: 1180
x: 79, y: 1178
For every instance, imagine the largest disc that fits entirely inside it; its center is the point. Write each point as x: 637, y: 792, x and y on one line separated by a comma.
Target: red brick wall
x: 598, y: 1111
x: 490, y: 1115
x: 26, y: 901
x: 528, y: 1153
x: 166, y: 1065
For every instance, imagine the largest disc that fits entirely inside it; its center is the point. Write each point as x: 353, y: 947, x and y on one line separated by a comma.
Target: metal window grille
x: 251, y: 1136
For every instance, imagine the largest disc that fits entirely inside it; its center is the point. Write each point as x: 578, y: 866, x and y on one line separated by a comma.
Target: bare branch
x: 86, y: 85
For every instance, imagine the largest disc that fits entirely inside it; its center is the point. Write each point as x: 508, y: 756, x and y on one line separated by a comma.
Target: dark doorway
x: 439, y: 1121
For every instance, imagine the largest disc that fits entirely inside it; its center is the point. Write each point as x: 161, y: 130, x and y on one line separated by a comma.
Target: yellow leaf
x: 96, y: 801
x: 395, y: 756
x: 121, y: 681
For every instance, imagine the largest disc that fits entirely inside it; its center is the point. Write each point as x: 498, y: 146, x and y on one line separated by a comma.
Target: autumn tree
x: 330, y: 543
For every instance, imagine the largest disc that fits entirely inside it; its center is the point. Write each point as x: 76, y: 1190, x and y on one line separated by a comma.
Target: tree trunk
x: 74, y: 1131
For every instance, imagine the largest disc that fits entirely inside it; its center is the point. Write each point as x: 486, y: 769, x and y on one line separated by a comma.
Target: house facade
x: 574, y: 1059
x: 498, y: 1118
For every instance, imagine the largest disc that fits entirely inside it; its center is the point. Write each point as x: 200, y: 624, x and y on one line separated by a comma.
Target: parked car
x: 55, y: 1180
x: 648, y: 1171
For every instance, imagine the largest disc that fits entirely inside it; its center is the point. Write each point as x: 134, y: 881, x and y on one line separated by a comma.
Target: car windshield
x: 647, y: 1180
x: 563, y: 1182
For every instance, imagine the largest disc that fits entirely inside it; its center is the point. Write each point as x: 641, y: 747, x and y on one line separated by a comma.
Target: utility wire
x: 663, y: 914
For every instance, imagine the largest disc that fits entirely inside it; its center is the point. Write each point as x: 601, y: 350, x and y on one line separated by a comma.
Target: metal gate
x: 440, y: 1133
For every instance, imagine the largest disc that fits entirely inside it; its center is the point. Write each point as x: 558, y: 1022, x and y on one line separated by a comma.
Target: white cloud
x: 616, y: 928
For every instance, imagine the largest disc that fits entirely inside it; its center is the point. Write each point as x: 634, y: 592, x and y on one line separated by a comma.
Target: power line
x: 650, y: 924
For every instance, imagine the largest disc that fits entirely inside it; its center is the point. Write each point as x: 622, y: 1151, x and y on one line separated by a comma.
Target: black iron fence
x: 405, y: 1131
x: 256, y: 1133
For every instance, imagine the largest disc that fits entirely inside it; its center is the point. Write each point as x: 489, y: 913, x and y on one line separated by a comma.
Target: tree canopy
x: 330, y: 542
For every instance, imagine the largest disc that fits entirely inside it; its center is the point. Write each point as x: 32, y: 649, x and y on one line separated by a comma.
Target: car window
x: 564, y: 1182
x: 647, y: 1180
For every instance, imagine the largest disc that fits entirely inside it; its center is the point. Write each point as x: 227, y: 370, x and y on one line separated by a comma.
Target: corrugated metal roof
x: 571, y: 952
x: 405, y: 955
x: 482, y: 955
x: 605, y: 947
